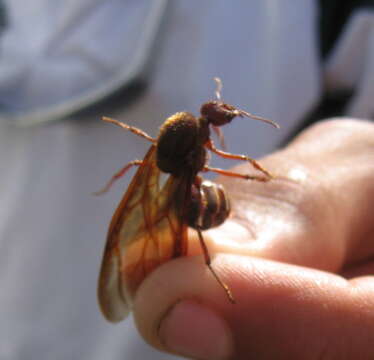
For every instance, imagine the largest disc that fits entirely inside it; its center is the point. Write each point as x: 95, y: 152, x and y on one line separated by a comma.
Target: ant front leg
x: 220, y: 136
x: 118, y: 175
x: 210, y: 145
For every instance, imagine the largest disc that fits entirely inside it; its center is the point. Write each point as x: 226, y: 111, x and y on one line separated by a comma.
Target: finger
x: 282, y: 311
x: 317, y: 212
x: 359, y: 270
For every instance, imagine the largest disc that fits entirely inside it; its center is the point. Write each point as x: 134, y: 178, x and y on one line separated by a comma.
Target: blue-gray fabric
x: 52, y: 231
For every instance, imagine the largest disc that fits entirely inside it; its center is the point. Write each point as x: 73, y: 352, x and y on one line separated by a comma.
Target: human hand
x: 297, y: 254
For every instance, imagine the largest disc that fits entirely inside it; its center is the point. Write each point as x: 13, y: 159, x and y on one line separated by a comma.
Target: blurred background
x: 63, y: 65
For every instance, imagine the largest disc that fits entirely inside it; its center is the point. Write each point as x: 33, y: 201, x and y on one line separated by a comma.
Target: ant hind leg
x: 208, y: 263
x: 237, y: 175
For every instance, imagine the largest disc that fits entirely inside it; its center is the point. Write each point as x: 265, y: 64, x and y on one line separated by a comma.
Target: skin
x: 297, y: 254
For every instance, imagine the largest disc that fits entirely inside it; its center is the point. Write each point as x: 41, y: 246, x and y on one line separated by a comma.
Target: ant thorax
x: 180, y: 145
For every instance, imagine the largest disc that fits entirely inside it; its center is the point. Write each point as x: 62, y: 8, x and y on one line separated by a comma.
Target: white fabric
x: 52, y: 231
x: 58, y: 55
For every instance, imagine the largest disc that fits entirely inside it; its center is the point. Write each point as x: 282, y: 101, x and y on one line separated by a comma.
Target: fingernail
x: 193, y: 330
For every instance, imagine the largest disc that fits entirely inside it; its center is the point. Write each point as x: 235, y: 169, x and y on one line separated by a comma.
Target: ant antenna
x: 240, y: 112
x: 255, y: 117
x: 219, y: 87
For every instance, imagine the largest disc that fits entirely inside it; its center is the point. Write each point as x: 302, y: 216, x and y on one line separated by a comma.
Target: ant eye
x: 218, y: 113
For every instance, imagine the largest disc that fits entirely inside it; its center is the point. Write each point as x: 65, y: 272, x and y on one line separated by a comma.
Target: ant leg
x: 133, y: 129
x: 208, y: 263
x: 118, y: 175
x: 218, y: 131
x: 227, y: 155
x: 237, y: 175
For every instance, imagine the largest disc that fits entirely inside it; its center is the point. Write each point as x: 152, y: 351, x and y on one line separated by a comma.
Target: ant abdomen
x: 209, y: 206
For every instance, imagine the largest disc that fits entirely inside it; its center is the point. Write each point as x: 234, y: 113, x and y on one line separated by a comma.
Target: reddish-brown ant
x: 150, y: 224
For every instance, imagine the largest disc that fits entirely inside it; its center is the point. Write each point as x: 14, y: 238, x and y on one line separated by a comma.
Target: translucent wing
x: 146, y: 230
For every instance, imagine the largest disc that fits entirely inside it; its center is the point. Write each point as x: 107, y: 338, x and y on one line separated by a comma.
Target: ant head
x: 218, y: 113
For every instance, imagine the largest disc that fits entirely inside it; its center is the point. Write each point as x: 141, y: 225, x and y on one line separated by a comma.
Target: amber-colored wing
x: 145, y: 232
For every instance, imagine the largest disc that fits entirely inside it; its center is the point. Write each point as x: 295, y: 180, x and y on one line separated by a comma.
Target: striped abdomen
x: 209, y: 206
